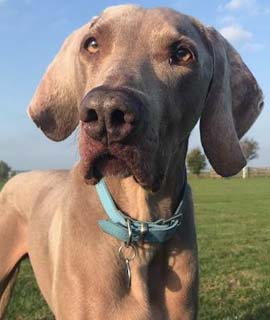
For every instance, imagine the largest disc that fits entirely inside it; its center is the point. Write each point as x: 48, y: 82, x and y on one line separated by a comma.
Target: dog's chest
x: 94, y: 279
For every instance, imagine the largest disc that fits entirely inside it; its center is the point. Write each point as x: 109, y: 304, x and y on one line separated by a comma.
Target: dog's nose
x: 111, y: 113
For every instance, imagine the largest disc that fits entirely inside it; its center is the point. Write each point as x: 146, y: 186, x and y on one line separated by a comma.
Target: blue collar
x: 133, y: 231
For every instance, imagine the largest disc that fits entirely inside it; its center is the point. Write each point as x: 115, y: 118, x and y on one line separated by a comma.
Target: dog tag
x: 127, y: 252
x: 128, y: 274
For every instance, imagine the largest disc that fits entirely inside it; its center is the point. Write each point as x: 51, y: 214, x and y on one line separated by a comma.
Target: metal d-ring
x: 127, y: 258
x: 123, y: 254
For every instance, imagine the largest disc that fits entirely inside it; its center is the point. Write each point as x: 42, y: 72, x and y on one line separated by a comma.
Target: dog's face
x: 160, y: 84
x: 137, y: 81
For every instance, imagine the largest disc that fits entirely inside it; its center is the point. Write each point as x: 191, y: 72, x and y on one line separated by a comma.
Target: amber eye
x: 182, y: 56
x: 91, y: 45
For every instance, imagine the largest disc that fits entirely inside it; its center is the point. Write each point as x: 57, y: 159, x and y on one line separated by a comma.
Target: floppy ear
x: 54, y: 105
x: 233, y: 103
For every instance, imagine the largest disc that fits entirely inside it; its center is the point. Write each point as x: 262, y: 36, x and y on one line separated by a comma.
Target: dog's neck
x: 144, y: 205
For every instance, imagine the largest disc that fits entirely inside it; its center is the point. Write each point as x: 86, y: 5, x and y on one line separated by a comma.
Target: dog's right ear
x: 54, y: 105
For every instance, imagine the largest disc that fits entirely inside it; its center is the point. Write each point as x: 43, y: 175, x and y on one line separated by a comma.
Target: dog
x: 135, y: 81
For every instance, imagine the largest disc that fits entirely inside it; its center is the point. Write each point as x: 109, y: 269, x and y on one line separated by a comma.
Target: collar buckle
x: 143, y: 229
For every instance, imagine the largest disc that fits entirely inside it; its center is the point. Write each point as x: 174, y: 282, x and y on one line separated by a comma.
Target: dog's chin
x: 106, y: 165
x: 141, y: 161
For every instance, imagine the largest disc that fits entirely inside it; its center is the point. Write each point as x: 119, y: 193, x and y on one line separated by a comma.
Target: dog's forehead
x: 152, y: 21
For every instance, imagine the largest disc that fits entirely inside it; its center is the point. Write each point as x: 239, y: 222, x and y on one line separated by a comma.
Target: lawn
x: 233, y: 226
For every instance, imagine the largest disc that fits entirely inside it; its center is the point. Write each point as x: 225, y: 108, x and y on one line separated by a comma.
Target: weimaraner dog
x: 135, y: 81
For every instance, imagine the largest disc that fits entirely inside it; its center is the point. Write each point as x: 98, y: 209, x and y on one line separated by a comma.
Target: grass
x: 27, y: 302
x: 233, y: 226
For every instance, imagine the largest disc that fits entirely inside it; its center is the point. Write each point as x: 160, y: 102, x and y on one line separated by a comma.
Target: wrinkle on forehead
x: 134, y: 19
x: 169, y: 21
x: 119, y: 19
x: 122, y: 12
x: 94, y: 21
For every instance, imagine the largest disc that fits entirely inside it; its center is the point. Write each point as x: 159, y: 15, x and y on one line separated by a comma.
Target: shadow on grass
x: 260, y: 313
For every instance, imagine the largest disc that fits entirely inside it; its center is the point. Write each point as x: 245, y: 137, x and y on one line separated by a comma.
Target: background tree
x: 250, y: 148
x: 196, y: 161
x: 4, y: 170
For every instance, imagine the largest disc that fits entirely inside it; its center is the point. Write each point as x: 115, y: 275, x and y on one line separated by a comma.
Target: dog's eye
x: 91, y: 45
x: 181, y: 56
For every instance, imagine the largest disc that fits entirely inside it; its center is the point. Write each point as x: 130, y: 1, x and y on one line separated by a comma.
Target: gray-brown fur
x: 53, y: 215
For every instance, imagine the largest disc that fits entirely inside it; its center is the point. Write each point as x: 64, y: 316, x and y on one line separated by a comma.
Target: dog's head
x: 137, y: 81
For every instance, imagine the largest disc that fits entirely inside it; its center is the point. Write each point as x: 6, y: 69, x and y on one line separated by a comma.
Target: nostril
x: 91, y: 116
x: 117, y: 118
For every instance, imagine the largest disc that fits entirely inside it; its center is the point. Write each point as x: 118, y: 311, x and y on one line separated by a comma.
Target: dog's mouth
x: 107, y: 165
x: 120, y: 161
x: 137, y: 160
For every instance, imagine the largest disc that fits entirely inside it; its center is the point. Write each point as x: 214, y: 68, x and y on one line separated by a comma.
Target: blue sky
x: 31, y: 32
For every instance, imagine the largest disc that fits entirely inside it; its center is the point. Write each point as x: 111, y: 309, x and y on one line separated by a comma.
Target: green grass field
x: 233, y: 226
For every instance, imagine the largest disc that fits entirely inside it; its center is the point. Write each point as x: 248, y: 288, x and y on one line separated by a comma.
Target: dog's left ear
x: 233, y: 103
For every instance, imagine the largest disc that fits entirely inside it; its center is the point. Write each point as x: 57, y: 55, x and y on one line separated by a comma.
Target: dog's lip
x: 105, y: 159
x: 136, y: 158
x: 105, y: 163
